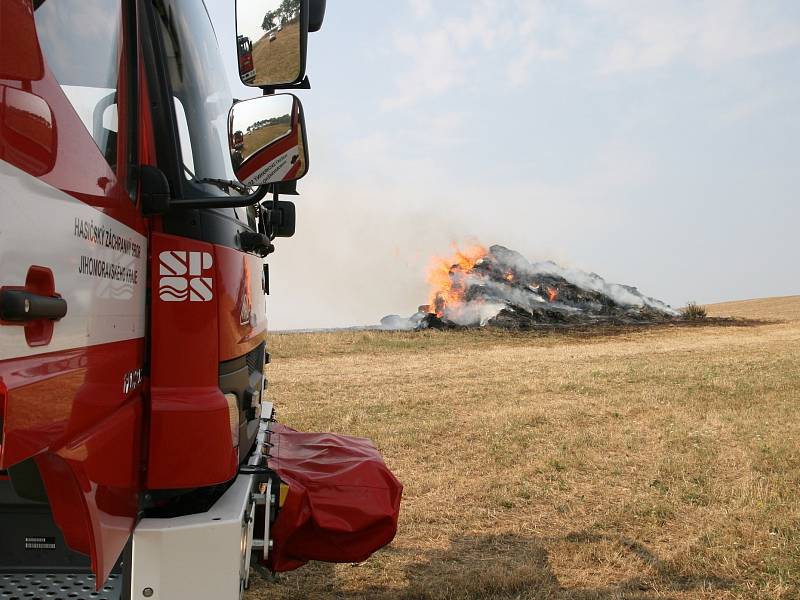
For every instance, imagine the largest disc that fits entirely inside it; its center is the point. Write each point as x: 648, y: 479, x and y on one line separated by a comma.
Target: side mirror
x: 281, y: 217
x: 267, y: 137
x: 271, y: 37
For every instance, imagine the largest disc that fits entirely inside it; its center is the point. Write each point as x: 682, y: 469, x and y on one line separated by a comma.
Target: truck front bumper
x: 205, y: 556
x: 335, y: 501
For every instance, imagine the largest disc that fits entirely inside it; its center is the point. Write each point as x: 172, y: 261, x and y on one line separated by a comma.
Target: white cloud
x: 621, y: 36
x: 441, y: 57
x: 542, y: 33
x: 422, y: 8
x: 705, y: 34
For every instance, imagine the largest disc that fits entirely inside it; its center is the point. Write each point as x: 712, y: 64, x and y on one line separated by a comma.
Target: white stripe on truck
x: 98, y: 264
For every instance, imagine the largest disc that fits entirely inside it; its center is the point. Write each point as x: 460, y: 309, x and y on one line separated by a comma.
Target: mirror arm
x: 260, y: 193
x: 156, y: 196
x: 216, y: 202
x: 256, y: 242
x: 266, y: 214
x: 305, y: 84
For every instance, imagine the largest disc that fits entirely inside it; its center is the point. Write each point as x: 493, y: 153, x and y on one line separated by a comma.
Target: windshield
x: 202, y: 98
x: 70, y: 31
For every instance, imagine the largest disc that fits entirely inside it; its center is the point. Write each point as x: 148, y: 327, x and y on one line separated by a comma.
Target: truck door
x: 72, y: 265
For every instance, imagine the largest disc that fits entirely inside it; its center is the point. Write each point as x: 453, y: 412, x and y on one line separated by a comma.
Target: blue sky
x: 655, y: 143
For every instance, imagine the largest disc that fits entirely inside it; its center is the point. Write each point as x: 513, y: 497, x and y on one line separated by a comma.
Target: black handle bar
x: 19, y: 305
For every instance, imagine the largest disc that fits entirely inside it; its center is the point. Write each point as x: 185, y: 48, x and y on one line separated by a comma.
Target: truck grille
x: 255, y: 358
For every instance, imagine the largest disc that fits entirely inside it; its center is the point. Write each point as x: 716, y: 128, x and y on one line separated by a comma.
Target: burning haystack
x: 500, y: 287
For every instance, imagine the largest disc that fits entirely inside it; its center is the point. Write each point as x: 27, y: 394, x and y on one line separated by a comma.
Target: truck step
x: 57, y: 586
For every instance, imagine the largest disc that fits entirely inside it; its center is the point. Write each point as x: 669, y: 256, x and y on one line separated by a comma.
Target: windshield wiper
x: 224, y: 184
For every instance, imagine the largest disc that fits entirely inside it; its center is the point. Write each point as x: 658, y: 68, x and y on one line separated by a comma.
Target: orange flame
x: 552, y: 294
x: 509, y: 276
x: 445, y: 275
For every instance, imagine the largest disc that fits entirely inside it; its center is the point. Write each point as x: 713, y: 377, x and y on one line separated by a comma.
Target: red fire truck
x: 139, y: 454
x: 245, y: 50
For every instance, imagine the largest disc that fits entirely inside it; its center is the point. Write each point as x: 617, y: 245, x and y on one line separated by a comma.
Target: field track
x: 657, y: 463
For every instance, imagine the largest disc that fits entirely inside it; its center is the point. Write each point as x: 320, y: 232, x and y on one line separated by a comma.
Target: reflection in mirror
x: 269, y: 41
x: 266, y: 140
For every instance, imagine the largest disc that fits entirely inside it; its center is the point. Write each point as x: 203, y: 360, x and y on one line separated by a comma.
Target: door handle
x: 36, y: 305
x: 21, y: 305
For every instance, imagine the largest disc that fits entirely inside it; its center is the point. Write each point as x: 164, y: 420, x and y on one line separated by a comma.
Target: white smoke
x: 621, y: 294
x: 398, y: 323
x: 472, y: 313
x: 526, y: 298
x: 467, y: 314
x: 487, y: 292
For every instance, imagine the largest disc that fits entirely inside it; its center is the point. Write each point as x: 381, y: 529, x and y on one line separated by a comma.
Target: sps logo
x: 182, y: 276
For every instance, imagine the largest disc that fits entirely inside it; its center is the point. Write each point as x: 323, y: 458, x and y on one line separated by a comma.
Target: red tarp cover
x: 343, y: 500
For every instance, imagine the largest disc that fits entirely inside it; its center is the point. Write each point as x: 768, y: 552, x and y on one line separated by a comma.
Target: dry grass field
x: 259, y: 138
x: 636, y: 464
x: 278, y: 60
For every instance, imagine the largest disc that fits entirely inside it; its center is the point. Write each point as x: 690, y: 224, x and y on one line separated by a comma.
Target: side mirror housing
x: 316, y: 14
x: 281, y: 217
x: 267, y: 140
x: 271, y: 41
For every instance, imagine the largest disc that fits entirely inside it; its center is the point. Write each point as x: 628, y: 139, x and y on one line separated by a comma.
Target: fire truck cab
x: 139, y: 454
x: 245, y: 49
